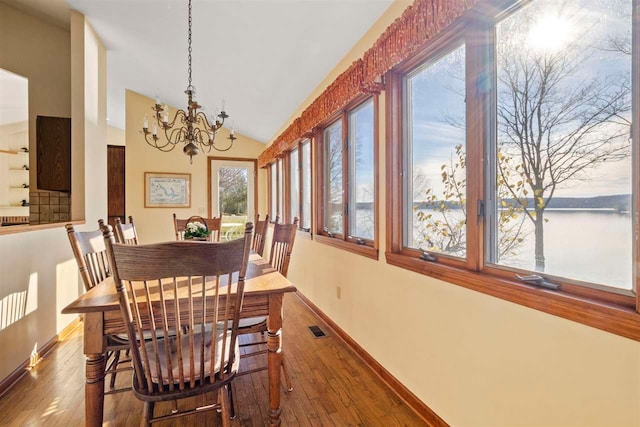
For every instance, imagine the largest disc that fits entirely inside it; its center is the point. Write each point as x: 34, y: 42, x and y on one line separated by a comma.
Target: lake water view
x: 589, y: 245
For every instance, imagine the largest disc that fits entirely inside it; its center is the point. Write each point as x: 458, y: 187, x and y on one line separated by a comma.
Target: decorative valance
x: 418, y: 24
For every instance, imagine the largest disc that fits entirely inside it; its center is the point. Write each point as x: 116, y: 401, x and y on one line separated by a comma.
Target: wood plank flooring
x: 332, y: 387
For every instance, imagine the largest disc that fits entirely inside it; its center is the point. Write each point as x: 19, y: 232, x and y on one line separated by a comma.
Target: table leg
x: 274, y: 347
x: 94, y: 389
x: 94, y: 349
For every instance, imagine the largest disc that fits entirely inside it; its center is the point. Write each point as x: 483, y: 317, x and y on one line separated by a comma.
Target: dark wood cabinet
x: 53, y: 153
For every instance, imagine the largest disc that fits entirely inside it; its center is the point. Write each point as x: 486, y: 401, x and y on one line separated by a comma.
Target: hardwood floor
x: 332, y: 387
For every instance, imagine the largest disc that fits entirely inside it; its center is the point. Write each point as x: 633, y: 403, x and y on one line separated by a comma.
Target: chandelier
x: 191, y: 128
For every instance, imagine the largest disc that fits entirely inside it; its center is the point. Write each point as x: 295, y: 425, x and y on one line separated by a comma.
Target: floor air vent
x: 317, y: 332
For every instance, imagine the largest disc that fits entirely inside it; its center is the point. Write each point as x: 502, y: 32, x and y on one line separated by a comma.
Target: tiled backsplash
x: 49, y: 206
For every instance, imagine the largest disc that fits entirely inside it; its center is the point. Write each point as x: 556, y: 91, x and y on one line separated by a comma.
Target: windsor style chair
x: 203, y: 356
x: 281, y: 247
x: 90, y: 253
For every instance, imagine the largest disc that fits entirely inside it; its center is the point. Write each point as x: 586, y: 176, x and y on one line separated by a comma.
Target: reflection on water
x: 592, y: 246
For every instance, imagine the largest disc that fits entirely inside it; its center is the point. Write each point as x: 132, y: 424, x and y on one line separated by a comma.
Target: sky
x: 436, y: 91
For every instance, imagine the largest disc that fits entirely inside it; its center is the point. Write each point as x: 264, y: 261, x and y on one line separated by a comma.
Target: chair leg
x: 224, y: 405
x: 232, y: 405
x: 147, y: 414
x: 116, y: 359
x: 285, y: 372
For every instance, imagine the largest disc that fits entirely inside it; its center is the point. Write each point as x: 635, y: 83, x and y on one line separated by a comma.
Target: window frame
x: 302, y: 217
x: 610, y: 310
x: 271, y: 168
x: 365, y: 247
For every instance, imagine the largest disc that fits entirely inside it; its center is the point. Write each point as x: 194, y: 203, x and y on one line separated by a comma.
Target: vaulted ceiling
x: 263, y: 57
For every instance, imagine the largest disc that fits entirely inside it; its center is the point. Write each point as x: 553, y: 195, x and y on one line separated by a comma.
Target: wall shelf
x: 8, y: 152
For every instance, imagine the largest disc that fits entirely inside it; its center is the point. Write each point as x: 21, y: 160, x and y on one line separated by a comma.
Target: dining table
x: 264, y: 291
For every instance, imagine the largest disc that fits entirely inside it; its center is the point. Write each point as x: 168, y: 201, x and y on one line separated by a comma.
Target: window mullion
x: 345, y: 176
x: 635, y: 137
x: 478, y: 65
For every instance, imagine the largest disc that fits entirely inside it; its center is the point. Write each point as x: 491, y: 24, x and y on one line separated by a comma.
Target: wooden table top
x: 262, y: 279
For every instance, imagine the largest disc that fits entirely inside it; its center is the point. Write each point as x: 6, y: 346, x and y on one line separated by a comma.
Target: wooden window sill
x: 614, y: 318
x: 302, y: 234
x: 14, y: 229
x: 363, y: 250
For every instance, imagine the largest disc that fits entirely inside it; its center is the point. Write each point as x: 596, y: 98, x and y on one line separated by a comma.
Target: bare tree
x: 442, y: 225
x: 556, y: 123
x: 333, y: 205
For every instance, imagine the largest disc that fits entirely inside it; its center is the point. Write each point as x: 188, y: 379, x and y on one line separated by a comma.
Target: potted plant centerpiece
x: 196, y: 231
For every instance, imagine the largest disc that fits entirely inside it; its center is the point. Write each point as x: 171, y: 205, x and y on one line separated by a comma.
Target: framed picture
x: 167, y: 190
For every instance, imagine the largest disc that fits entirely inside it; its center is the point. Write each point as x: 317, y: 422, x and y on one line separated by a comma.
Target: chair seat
x: 146, y: 334
x: 251, y: 322
x: 186, y: 359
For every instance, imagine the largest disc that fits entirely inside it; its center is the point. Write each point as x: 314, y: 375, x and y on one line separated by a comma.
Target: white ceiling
x: 264, y: 57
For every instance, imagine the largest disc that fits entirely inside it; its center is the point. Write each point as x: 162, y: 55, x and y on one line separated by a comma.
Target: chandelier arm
x: 225, y: 149
x: 169, y: 125
x: 203, y: 138
x: 212, y: 128
x: 176, y: 136
x: 154, y: 143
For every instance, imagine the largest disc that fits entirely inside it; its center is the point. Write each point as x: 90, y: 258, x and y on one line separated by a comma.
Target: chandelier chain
x: 189, y: 40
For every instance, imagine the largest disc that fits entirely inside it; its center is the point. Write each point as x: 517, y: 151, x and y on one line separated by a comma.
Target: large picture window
x: 563, y: 193
x: 347, y: 186
x: 512, y: 153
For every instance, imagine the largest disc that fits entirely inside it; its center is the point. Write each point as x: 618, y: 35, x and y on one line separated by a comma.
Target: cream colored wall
x: 474, y: 359
x: 115, y: 136
x: 41, y: 52
x: 156, y: 224
x: 38, y: 274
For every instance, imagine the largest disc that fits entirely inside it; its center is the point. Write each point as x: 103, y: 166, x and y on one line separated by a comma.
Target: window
x: 294, y: 186
x: 562, y: 155
x: 299, y: 168
x: 305, y: 176
x: 347, y: 187
x: 280, y: 212
x: 273, y: 191
x: 435, y: 217
x: 511, y: 160
x: 334, y: 189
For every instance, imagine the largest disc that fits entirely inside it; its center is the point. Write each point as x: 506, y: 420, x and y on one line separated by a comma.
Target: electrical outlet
x: 338, y: 292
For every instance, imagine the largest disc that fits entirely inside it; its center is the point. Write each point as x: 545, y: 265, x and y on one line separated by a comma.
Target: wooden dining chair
x: 212, y: 224
x: 90, y: 253
x: 259, y: 235
x: 203, y: 356
x: 126, y: 233
x: 281, y: 247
